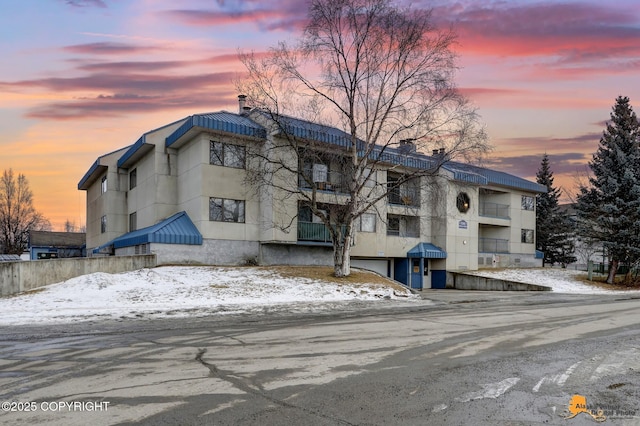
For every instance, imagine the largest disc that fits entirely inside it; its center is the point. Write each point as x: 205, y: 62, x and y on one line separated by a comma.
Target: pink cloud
x: 573, y: 33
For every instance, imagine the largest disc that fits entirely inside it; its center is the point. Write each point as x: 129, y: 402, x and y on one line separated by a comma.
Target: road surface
x: 457, y: 358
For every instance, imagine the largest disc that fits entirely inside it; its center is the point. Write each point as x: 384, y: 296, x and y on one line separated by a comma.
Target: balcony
x: 327, y: 181
x: 500, y: 211
x: 493, y: 245
x: 402, y: 196
x: 315, y: 232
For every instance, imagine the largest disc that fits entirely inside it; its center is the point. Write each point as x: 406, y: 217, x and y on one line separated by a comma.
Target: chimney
x: 241, y: 103
x: 407, y: 146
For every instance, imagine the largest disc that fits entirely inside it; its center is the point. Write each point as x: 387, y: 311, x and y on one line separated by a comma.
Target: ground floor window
x: 225, y: 210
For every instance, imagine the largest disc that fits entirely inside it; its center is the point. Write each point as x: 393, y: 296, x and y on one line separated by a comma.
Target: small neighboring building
x: 180, y: 192
x: 10, y: 258
x: 56, y: 245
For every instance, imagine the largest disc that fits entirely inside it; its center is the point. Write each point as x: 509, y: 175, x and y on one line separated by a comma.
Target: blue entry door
x: 416, y: 266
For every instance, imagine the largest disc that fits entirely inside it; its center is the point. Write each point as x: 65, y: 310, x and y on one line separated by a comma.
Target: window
x: 393, y: 225
x: 463, y: 202
x: 103, y: 224
x: 528, y: 203
x: 103, y: 184
x: 228, y: 155
x: 223, y: 210
x: 133, y: 178
x: 526, y: 236
x: 367, y: 222
x: 133, y: 221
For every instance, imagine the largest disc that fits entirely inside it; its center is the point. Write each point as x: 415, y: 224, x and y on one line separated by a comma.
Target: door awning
x: 427, y: 251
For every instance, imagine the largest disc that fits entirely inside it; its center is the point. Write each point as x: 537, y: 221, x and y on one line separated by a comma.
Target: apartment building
x: 183, y: 191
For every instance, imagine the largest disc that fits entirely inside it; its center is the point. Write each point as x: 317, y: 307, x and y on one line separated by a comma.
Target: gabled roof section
x: 427, y: 251
x: 222, y: 121
x: 97, y: 169
x: 177, y: 229
x: 140, y: 148
x: 135, y: 152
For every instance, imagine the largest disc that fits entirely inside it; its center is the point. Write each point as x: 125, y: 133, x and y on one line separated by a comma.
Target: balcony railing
x: 493, y: 245
x: 332, y: 182
x: 404, y: 197
x: 316, y: 232
x: 494, y: 210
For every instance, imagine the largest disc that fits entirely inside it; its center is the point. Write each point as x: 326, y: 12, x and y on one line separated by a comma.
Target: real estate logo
x: 578, y: 405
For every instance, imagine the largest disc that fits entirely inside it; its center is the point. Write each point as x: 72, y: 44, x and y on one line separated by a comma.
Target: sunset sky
x: 80, y: 78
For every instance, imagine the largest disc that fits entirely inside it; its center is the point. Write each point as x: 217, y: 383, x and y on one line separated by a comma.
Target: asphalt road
x: 458, y: 358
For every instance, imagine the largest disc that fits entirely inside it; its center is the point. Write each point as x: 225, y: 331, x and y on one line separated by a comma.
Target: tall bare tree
x: 384, y: 77
x: 17, y: 213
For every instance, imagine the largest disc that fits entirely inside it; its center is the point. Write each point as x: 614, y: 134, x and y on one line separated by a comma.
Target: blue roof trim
x: 494, y: 177
x: 427, y: 251
x: 87, y: 175
x: 134, y: 148
x: 177, y: 229
x: 221, y: 121
x: 461, y: 172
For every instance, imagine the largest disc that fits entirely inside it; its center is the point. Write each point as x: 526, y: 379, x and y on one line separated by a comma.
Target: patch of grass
x: 325, y: 273
x: 600, y: 282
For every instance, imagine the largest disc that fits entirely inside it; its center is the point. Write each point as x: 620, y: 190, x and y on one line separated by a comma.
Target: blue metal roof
x: 141, y: 146
x: 461, y: 172
x: 177, y: 229
x: 494, y: 177
x: 222, y: 121
x: 427, y: 251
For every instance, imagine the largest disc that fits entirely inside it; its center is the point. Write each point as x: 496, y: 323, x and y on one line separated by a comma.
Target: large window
x: 526, y: 236
x: 103, y: 184
x: 133, y: 178
x: 528, y: 203
x: 103, y: 224
x: 367, y: 222
x: 224, y: 210
x: 228, y: 155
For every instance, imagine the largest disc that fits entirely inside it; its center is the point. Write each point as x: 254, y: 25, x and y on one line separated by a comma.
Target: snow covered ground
x: 560, y: 280
x: 181, y: 291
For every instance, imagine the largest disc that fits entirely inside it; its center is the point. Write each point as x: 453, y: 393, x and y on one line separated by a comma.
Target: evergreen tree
x: 610, y: 207
x: 553, y: 230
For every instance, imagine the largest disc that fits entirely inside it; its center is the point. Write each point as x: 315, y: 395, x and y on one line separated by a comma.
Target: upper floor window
x: 103, y: 224
x: 367, y: 222
x: 526, y: 236
x: 103, y: 184
x: 228, y: 155
x: 528, y: 203
x: 224, y: 210
x: 133, y: 221
x: 133, y: 178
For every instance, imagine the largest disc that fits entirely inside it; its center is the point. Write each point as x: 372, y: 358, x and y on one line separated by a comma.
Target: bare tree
x: 381, y: 75
x: 17, y: 213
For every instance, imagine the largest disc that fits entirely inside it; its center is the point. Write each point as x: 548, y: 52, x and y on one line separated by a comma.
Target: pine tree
x: 610, y: 207
x: 553, y: 235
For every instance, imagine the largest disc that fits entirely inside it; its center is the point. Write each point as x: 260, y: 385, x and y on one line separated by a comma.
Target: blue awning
x: 177, y: 229
x: 427, y: 251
